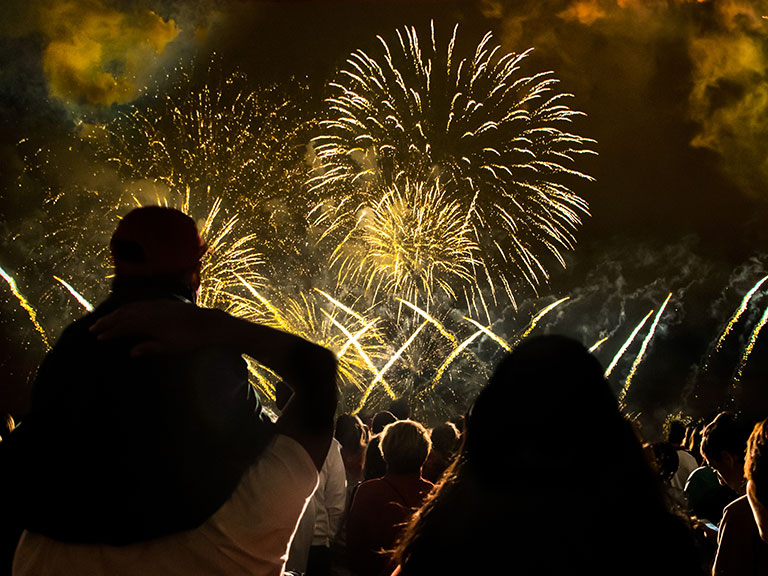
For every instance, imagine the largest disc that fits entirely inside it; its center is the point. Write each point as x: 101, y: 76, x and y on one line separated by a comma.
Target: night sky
x: 675, y: 93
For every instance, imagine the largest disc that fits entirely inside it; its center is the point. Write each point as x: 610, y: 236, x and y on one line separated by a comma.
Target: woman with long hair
x: 550, y: 479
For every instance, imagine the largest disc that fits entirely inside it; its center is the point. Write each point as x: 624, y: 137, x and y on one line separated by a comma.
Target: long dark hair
x: 550, y: 479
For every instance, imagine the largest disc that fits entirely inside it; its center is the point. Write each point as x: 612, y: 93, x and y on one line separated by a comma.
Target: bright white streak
x: 626, y: 344
x: 83, y: 302
x: 639, y: 357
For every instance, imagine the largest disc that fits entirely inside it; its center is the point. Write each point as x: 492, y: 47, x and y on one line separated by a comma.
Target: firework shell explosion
x: 410, y: 241
x: 223, y: 144
x: 493, y: 138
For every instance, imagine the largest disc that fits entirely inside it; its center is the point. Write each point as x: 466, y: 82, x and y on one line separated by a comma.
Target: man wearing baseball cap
x: 146, y: 449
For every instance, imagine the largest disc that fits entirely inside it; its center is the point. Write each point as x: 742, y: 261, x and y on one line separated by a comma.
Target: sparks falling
x: 748, y: 349
x: 597, y: 344
x: 395, y: 357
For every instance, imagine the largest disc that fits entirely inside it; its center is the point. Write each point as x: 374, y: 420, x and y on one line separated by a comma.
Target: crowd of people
x: 146, y: 451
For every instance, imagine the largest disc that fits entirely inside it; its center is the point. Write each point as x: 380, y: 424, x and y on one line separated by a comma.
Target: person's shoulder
x: 684, y: 454
x: 737, y: 511
x: 371, y: 489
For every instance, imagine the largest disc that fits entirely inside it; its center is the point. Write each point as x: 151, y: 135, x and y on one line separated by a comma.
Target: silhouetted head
x: 156, y: 244
x: 723, y: 443
x: 445, y: 438
x: 547, y: 384
x: 380, y: 421
x: 665, y: 459
x: 351, y: 433
x: 400, y: 409
x: 550, y: 466
x: 675, y: 432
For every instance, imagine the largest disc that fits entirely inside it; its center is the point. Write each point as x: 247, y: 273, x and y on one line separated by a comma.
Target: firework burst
x: 492, y: 137
x: 232, y: 261
x: 356, y: 340
x: 411, y: 243
x: 202, y: 138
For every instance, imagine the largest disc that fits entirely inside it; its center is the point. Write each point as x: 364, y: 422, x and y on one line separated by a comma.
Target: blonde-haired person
x: 381, y: 506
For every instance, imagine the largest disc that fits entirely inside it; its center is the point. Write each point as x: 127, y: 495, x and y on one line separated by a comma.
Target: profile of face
x: 729, y: 471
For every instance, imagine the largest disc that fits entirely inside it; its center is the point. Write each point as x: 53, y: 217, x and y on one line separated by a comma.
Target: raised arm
x: 167, y: 326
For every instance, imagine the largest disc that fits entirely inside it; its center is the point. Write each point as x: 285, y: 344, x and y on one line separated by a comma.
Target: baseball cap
x: 155, y: 241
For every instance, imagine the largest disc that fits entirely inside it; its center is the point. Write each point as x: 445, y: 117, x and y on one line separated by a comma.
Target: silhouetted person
x: 381, y: 506
x: 720, y: 480
x: 574, y: 495
x: 723, y: 444
x: 741, y: 550
x: 374, y: 465
x: 143, y: 424
x: 686, y: 462
x: 353, y: 437
x: 445, y: 439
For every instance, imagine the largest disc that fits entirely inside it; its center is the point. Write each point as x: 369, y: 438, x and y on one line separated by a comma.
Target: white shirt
x: 249, y: 535
x: 687, y: 465
x: 322, y: 517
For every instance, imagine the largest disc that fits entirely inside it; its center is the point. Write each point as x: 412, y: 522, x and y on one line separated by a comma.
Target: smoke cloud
x: 94, y: 54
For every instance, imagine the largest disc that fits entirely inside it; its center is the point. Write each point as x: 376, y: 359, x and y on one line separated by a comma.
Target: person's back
x: 139, y: 447
x: 743, y: 536
x: 593, y: 506
x: 686, y: 462
x: 381, y: 506
x: 143, y: 424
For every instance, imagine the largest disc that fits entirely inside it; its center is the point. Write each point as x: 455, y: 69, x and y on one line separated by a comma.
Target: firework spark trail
x: 538, y: 317
x: 346, y: 309
x: 387, y: 366
x: 739, y: 311
x: 282, y: 324
x: 83, y: 302
x: 641, y: 354
x: 26, y: 305
x: 493, y: 336
x: 626, y: 344
x: 452, y: 356
x: 431, y: 320
x: 355, y: 340
x: 255, y: 369
x: 597, y: 344
x: 361, y: 352
x: 748, y: 350
x: 367, y: 324
x: 475, y: 125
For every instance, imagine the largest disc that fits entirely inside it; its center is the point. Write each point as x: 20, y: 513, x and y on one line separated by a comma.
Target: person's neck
x: 150, y: 287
